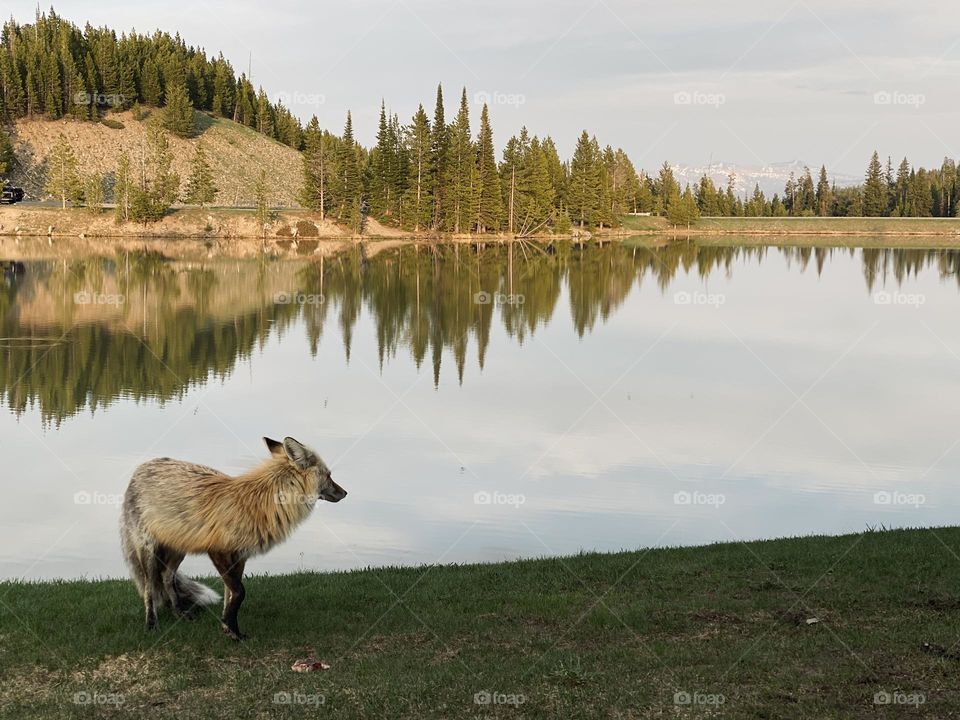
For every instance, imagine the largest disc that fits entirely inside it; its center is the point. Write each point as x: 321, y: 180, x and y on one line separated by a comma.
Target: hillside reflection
x: 79, y: 335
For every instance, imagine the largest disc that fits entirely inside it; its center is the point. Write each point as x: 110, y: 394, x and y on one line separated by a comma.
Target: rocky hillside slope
x: 235, y: 152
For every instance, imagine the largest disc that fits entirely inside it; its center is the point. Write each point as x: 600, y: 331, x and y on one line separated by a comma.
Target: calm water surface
x: 488, y: 406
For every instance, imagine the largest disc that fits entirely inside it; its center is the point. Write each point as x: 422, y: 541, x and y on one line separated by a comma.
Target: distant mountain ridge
x: 771, y: 177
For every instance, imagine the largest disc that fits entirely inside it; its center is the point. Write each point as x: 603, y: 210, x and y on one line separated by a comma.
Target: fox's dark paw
x: 234, y: 634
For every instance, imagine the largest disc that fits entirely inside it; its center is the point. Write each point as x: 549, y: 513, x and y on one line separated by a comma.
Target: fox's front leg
x: 230, y: 567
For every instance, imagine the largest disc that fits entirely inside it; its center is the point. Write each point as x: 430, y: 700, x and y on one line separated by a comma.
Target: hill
x: 236, y: 154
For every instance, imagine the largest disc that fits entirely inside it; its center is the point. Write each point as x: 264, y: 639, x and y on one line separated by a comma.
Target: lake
x: 482, y: 405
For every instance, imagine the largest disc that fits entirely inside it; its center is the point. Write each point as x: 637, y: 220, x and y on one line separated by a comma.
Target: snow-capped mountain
x: 771, y: 178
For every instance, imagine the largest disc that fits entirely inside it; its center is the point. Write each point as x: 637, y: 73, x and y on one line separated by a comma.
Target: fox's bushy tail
x: 196, y: 593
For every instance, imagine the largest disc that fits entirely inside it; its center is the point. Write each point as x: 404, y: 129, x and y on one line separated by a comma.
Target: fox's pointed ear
x: 275, y: 447
x: 296, y: 453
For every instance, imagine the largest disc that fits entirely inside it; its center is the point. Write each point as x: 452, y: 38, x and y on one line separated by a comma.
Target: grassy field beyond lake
x: 855, y: 626
x: 869, y: 226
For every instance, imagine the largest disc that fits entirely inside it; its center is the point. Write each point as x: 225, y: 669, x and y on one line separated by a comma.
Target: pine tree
x: 122, y: 188
x: 874, y: 189
x: 708, y: 200
x: 462, y: 165
x: 731, y: 204
x: 265, y: 123
x: 790, y: 195
x: 824, y: 194
x: 317, y: 168
x: 666, y: 189
x: 53, y: 94
x: 536, y: 189
x: 609, y: 191
x: 684, y: 211
x: 201, y: 189
x: 626, y: 184
x: 93, y: 193
x: 46, y: 66
x: 80, y: 99
x: 178, y: 112
x: 63, y: 180
x: 420, y: 178
x: 557, y: 173
x: 382, y: 163
x: 351, y: 188
x: 260, y: 193
x: 489, y: 201
x: 645, y: 199
x: 157, y: 185
x: 583, y: 193
x: 439, y: 148
x: 511, y: 174
x: 807, y: 197
x: 902, y: 188
x: 150, y: 90
x: 223, y: 89
x: 399, y: 169
x: 6, y: 153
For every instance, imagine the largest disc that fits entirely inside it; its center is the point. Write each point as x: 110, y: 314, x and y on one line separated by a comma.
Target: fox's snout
x: 334, y: 493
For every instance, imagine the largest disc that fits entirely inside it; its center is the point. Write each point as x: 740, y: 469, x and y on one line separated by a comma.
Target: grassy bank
x: 801, y: 226
x: 630, y: 635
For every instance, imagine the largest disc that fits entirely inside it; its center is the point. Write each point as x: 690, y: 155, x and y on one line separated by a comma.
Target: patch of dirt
x: 376, y: 228
x: 126, y: 674
x: 33, y: 682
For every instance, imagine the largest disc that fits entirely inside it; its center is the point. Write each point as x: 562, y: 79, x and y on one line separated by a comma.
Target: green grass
x: 592, y: 636
x: 801, y: 225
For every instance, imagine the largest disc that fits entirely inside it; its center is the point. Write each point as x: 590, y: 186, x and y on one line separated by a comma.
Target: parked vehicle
x: 10, y: 195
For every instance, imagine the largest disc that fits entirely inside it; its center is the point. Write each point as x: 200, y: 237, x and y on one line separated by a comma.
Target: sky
x: 742, y: 82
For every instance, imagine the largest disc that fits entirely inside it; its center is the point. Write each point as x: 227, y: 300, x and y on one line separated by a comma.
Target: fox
x: 173, y: 508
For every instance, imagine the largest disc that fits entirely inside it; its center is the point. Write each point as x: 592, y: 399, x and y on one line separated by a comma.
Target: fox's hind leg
x: 230, y: 566
x: 169, y: 561
x: 152, y: 586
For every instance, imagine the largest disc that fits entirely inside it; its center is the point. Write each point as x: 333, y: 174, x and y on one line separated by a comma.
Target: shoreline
x: 214, y: 579
x: 292, y: 224
x: 39, y: 247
